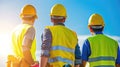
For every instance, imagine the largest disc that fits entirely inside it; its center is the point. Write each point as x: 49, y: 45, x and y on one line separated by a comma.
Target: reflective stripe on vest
x: 101, y: 58
x: 51, y: 60
x: 64, y: 42
x: 105, y: 66
x: 63, y: 48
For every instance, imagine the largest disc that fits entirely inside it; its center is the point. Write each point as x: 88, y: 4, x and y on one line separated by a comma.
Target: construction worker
x: 24, y: 41
x: 59, y: 44
x: 100, y: 50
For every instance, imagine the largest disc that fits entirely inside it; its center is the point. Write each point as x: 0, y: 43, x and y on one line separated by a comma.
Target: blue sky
x: 78, y: 12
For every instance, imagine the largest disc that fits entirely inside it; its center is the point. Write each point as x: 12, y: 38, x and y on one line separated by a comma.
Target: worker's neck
x: 97, y: 32
x: 27, y: 22
x: 58, y: 23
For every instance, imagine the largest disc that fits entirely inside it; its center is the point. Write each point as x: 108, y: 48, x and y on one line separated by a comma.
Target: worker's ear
x: 63, y: 19
x: 102, y: 28
x: 51, y: 19
x: 91, y: 30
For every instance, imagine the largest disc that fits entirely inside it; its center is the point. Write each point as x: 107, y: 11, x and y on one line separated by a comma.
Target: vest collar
x: 99, y: 32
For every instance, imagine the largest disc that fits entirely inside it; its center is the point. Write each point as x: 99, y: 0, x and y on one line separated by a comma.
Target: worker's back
x: 103, y: 51
x: 64, y: 42
x: 17, y: 38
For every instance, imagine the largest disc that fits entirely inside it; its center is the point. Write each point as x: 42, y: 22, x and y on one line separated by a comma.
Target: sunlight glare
x: 5, y: 47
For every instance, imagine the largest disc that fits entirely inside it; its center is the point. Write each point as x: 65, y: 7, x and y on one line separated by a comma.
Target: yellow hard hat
x: 95, y: 19
x: 58, y: 10
x: 28, y: 10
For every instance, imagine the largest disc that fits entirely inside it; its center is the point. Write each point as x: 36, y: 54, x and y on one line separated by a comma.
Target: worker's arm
x: 43, y: 62
x: 78, y: 60
x: 118, y: 58
x: 45, y: 48
x: 26, y: 45
x: 84, y: 63
x: 85, y: 52
x: 117, y: 65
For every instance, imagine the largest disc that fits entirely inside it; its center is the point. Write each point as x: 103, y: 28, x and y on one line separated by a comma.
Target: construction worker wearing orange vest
x: 24, y: 41
x: 100, y: 50
x: 59, y: 43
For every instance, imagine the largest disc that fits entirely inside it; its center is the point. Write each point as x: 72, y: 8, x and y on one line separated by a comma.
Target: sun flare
x: 5, y: 47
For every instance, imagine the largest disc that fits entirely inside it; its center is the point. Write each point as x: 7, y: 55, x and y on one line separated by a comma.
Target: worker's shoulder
x: 90, y: 37
x: 17, y: 28
x: 102, y: 35
x: 110, y: 38
x: 48, y: 27
x: 72, y: 31
x: 26, y: 26
x: 69, y: 29
x: 31, y: 29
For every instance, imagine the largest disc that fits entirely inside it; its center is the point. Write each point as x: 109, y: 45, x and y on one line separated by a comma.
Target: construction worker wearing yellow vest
x: 24, y: 41
x: 59, y: 43
x: 100, y: 50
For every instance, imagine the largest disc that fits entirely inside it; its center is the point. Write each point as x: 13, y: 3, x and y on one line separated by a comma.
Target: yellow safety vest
x: 103, y: 51
x: 62, y: 51
x: 17, y: 38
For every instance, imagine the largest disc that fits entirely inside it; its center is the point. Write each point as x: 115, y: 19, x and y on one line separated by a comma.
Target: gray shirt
x: 29, y: 36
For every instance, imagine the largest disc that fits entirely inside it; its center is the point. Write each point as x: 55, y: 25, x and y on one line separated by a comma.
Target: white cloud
x: 81, y: 39
x: 4, y: 47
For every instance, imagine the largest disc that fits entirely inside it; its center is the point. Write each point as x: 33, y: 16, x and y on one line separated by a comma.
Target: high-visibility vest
x: 103, y: 51
x: 17, y: 38
x: 62, y: 51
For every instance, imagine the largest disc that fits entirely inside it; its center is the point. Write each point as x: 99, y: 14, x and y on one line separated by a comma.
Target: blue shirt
x: 46, y: 45
x: 86, y: 51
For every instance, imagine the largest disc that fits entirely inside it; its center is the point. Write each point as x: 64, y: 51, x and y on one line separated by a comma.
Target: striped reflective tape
x: 101, y: 58
x: 105, y: 66
x: 63, y: 48
x: 52, y: 60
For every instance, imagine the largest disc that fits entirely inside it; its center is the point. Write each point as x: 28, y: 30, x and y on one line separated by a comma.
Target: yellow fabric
x: 62, y: 36
x: 17, y: 38
x: 28, y: 10
x: 95, y: 19
x: 58, y: 10
x: 13, y: 61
